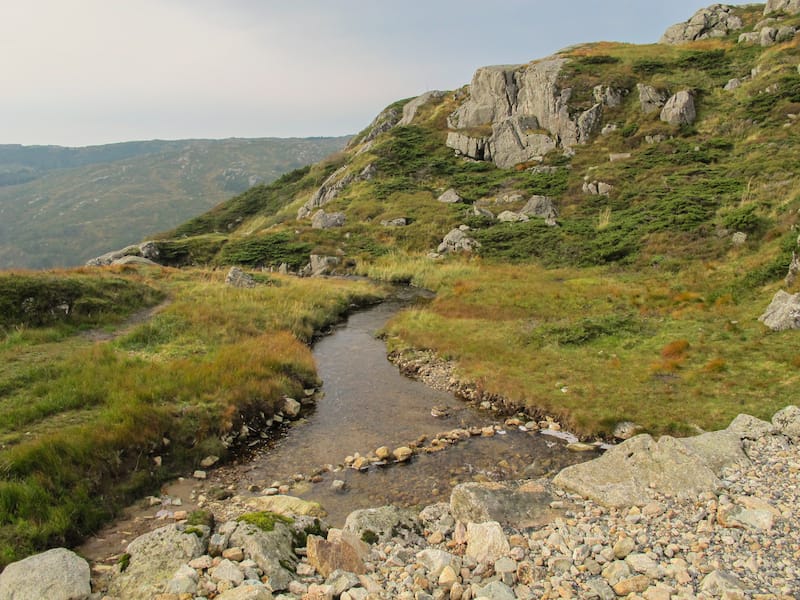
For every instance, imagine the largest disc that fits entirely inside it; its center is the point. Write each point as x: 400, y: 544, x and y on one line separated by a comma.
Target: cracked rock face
x: 788, y: 6
x: 527, y: 111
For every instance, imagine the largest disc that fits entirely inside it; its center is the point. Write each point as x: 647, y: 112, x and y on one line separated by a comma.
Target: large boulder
x: 540, y: 206
x: 627, y: 474
x: 271, y: 550
x: 716, y: 21
x: 457, y: 241
x: 288, y: 506
x: 322, y: 265
x: 334, y: 185
x: 154, y: 559
x: 521, y: 503
x: 341, y: 551
x: 791, y: 7
x: 323, y: 220
x: 514, y: 141
x: 144, y: 253
x: 679, y: 109
x: 450, y: 196
x: 718, y: 449
x: 783, y: 312
x: 57, y: 574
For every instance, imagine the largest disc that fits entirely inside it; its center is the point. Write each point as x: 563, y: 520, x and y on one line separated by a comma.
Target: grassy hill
x: 61, y: 206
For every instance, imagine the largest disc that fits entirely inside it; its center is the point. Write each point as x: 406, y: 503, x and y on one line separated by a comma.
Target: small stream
x: 366, y: 403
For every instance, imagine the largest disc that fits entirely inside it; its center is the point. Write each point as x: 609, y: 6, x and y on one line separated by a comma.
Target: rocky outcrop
x: 323, y: 220
x: 155, y: 557
x: 718, y: 20
x: 609, y: 96
x: 333, y: 186
x: 239, y: 279
x: 791, y: 7
x: 787, y: 421
x: 272, y: 550
x: 411, y: 107
x: 146, y: 252
x: 651, y: 99
x: 57, y: 574
x: 528, y: 112
x: 783, y: 313
x: 679, y: 109
x: 323, y: 265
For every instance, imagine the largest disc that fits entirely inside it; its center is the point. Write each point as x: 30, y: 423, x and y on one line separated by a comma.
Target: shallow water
x: 366, y: 403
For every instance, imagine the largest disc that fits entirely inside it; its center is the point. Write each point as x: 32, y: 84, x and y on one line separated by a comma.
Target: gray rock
x: 540, y: 206
x: 783, y: 313
x: 793, y: 271
x: 787, y: 420
x: 733, y: 84
x: 718, y: 449
x: 679, y: 109
x: 608, y: 96
x: 436, y: 560
x: 271, y: 550
x: 514, y: 141
x: 333, y: 186
x: 323, y: 220
x: 412, y: 106
x: 750, y: 37
x: 508, y: 216
x: 785, y: 34
x: 154, y: 559
x: 486, y: 541
x: 738, y: 238
x: 492, y: 96
x: 457, y: 241
x: 626, y: 474
x: 650, y: 98
x: 625, y: 430
x: 183, y: 582
x: 341, y: 581
x: 718, y: 583
x: 479, y: 211
x: 247, y: 592
x: 239, y: 279
x: 520, y: 503
x: 601, y: 589
x: 477, y: 148
x: 58, y: 574
x: 450, y: 196
x: 385, y: 522
x: 322, y: 265
x: 145, y: 253
x: 767, y: 36
x: 716, y: 21
x: 398, y: 222
x: 496, y: 590
x: 747, y: 427
x: 791, y: 7
x: 385, y: 121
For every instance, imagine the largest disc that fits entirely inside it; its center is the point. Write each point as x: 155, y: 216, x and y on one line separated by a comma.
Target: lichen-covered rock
x: 651, y: 99
x: 787, y: 420
x: 783, y: 313
x: 626, y: 474
x: 718, y: 449
x: 509, y: 216
x: 337, y: 553
x: 239, y: 279
x: 145, y: 253
x: 383, y: 523
x: 716, y: 21
x: 520, y: 504
x: 679, y: 109
x: 155, y: 557
x: 272, y: 550
x: 791, y: 7
x: 58, y: 574
x: 333, y: 186
x: 540, y: 206
x: 322, y: 265
x: 288, y: 506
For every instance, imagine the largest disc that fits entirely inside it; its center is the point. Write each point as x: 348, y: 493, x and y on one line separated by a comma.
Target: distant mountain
x: 61, y: 206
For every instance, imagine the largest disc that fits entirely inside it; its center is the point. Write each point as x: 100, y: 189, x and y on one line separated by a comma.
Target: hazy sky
x: 80, y: 72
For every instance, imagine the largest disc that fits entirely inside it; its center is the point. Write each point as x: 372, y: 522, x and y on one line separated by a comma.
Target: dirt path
x: 137, y: 318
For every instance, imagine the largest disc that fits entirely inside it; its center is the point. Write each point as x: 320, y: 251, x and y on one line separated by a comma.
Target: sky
x: 84, y: 72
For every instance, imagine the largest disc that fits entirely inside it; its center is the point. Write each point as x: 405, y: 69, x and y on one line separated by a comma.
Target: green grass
x: 80, y: 421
